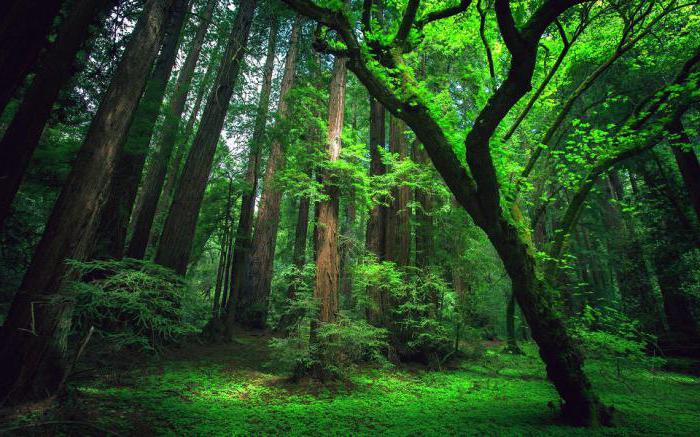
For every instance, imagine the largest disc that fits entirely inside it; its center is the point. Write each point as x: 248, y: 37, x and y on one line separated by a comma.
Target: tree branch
x: 409, y: 16
x: 443, y: 13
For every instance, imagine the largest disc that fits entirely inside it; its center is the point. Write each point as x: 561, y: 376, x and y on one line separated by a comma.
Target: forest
x: 356, y: 217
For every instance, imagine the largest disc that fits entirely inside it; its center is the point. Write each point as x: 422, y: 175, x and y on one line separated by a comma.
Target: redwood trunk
x: 32, y: 344
x: 244, y: 308
x: 259, y: 278
x: 24, y: 29
x: 328, y: 258
x: 155, y: 177
x: 111, y: 234
x: 56, y: 67
x: 687, y: 162
x: 178, y: 233
x: 425, y: 243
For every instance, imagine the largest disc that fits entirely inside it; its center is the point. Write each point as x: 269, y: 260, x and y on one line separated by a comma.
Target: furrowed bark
x: 111, y: 233
x: 245, y: 310
x: 259, y: 277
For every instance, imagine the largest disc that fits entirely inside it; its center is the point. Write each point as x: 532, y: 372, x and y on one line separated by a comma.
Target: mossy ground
x: 235, y: 390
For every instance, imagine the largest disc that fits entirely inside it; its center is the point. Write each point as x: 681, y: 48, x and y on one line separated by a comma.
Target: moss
x: 230, y: 392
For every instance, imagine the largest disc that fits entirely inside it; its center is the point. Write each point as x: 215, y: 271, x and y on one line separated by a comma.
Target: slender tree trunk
x: 326, y: 286
x: 398, y: 225
x: 259, y: 277
x: 178, y: 232
x: 32, y: 346
x: 376, y: 224
x: 246, y: 311
x: 24, y: 30
x: 114, y: 222
x: 155, y: 177
x: 56, y: 67
x: 173, y: 174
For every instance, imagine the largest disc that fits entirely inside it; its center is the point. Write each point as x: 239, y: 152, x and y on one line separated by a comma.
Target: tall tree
x: 259, y: 277
x: 111, y: 234
x: 178, y: 233
x: 24, y: 29
x: 155, y: 177
x: 687, y: 161
x: 23, y: 133
x: 32, y: 341
x: 242, y: 305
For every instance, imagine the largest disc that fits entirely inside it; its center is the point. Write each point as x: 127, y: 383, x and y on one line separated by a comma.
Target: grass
x: 228, y: 390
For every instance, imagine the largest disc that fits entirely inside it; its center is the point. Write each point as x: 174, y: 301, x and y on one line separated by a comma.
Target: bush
x: 135, y: 304
x: 609, y: 334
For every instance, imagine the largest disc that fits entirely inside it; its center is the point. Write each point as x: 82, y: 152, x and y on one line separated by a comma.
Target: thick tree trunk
x: 30, y: 345
x: 56, y: 67
x: 114, y: 222
x: 242, y: 304
x: 259, y: 276
x: 178, y: 233
x: 24, y: 30
x: 326, y: 286
x: 687, y: 162
x: 398, y: 223
x: 155, y: 177
x: 376, y: 224
x: 346, y: 248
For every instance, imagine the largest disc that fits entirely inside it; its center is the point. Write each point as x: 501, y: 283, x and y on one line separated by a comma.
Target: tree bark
x: 178, y: 233
x: 245, y: 311
x: 114, y: 222
x: 155, y: 177
x: 326, y: 286
x: 31, y: 349
x: 55, y: 68
x: 259, y: 277
x: 24, y: 30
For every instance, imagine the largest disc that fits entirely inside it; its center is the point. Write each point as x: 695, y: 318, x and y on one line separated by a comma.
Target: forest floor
x: 234, y: 389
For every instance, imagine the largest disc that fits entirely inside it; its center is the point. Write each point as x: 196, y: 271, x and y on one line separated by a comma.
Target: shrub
x: 135, y: 304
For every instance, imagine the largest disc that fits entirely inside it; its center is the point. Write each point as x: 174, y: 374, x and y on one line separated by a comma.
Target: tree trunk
x: 24, y: 30
x: 241, y: 302
x: 326, y: 285
x: 687, y: 163
x: 30, y: 348
x: 56, y: 67
x: 155, y: 177
x: 398, y: 223
x: 376, y: 224
x: 259, y: 277
x: 178, y: 233
x: 346, y: 248
x: 173, y: 173
x: 114, y: 222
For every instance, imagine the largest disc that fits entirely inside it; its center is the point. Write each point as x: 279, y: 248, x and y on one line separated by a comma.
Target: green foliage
x: 609, y: 334
x: 135, y: 304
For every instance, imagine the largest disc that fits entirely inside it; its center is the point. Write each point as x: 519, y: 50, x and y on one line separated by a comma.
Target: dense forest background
x: 438, y: 196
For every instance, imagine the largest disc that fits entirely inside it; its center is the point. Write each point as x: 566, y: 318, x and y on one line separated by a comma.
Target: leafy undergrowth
x: 234, y: 390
